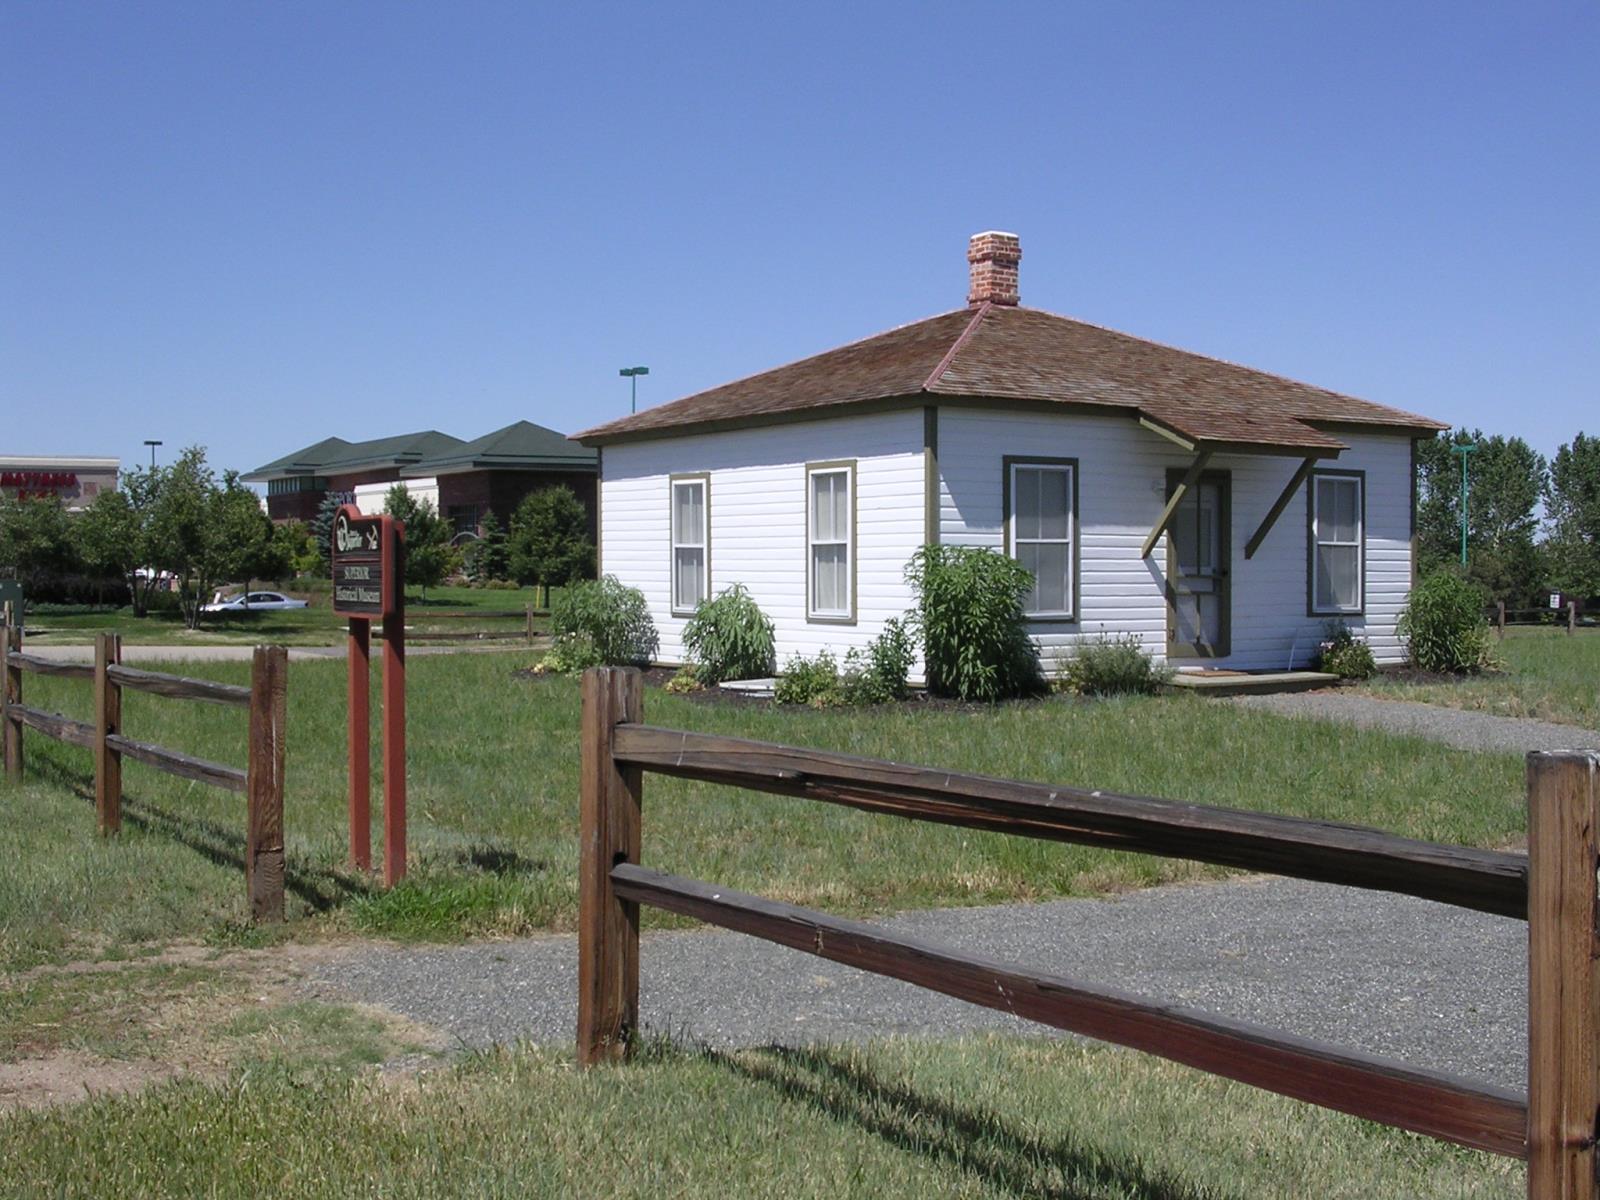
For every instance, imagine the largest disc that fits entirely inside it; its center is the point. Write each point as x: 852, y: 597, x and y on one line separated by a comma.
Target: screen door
x: 1198, y: 559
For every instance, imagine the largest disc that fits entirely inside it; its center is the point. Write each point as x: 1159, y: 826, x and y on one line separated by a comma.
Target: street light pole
x: 632, y: 374
x: 153, y: 445
x: 1464, y: 449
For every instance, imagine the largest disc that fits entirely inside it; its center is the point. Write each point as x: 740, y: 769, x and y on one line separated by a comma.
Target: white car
x: 253, y: 602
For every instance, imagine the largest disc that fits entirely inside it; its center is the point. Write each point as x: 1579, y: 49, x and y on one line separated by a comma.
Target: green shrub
x: 729, y: 638
x: 1444, y: 627
x: 879, y: 674
x: 812, y: 681
x: 1345, y: 655
x: 614, y: 621
x: 684, y: 681
x: 1114, y: 666
x: 570, y: 653
x: 970, y: 613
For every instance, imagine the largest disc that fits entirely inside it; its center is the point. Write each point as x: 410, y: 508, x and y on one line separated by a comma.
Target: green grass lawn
x: 1548, y: 674
x: 317, y: 625
x: 493, y: 807
x: 987, y: 1117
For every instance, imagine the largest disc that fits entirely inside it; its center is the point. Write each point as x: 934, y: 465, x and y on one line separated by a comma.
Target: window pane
x: 1026, y: 502
x: 822, y: 508
x: 1050, y: 578
x: 841, y: 506
x: 830, y: 585
x: 1184, y: 532
x: 1338, y: 510
x: 689, y: 586
x: 1053, y: 504
x: 1338, y: 582
x: 689, y: 513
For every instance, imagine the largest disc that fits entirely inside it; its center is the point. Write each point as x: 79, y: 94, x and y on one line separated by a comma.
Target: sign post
x: 368, y: 556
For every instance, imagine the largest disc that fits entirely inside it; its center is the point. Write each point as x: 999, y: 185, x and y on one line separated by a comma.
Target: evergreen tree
x: 550, y: 542
x: 321, y: 529
x: 489, y: 557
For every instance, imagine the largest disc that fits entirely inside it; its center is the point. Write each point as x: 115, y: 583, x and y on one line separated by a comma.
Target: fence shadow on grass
x: 970, y: 1140
x: 320, y: 888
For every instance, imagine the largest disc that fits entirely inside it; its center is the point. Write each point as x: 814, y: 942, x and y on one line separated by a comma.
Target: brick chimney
x: 993, y: 257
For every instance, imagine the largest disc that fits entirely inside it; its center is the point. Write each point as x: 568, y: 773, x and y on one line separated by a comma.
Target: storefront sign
x: 365, y: 570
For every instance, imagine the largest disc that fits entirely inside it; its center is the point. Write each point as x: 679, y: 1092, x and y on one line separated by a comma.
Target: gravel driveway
x: 1405, y: 978
x: 1452, y: 726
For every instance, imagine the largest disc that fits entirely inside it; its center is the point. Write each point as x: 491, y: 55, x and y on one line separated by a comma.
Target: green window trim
x: 1073, y: 587
x: 1315, y: 540
x: 679, y: 545
x: 831, y: 616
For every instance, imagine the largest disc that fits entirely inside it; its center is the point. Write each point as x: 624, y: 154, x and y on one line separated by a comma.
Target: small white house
x: 1224, y: 515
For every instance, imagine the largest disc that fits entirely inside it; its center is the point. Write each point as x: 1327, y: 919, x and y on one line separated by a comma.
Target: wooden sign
x: 365, y: 571
x: 369, y: 584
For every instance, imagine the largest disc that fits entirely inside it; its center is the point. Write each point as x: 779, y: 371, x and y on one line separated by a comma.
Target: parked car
x: 253, y: 602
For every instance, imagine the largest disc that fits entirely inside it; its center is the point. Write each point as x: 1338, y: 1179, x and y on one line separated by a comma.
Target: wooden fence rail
x: 1552, y: 1125
x: 261, y: 782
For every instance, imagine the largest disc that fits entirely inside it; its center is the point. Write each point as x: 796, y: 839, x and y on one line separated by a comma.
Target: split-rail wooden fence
x: 527, y: 632
x: 1553, y: 888
x: 261, y: 781
x: 1540, y: 616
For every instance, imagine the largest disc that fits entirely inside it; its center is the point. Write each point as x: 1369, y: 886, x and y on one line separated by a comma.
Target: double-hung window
x: 830, y: 541
x: 691, y: 543
x: 1041, y: 533
x: 1337, y: 538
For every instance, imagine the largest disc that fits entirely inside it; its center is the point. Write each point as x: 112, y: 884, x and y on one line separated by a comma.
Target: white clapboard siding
x: 1121, y: 489
x: 758, y: 520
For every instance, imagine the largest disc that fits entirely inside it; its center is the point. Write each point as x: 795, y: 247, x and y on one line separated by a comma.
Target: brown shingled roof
x: 996, y: 353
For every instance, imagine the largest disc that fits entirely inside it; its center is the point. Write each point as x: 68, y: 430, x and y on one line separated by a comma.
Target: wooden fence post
x: 608, y: 927
x: 263, y: 850
x: 11, y: 735
x: 529, y: 612
x: 1572, y: 617
x: 1500, y: 618
x: 107, y: 720
x: 1563, y: 997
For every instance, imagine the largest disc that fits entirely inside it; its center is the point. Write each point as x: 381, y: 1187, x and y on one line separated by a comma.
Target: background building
x: 465, y: 480
x: 74, y: 480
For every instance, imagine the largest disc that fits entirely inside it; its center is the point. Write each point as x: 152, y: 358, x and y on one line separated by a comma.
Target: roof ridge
x: 955, y: 346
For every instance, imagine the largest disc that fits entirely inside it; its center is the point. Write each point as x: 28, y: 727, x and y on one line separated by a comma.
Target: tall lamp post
x: 153, y: 446
x: 632, y: 374
x: 1464, y: 449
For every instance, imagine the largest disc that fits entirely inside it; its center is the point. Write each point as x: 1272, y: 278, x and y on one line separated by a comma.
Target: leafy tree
x: 36, y: 545
x: 204, y: 531
x: 112, y: 534
x: 550, y: 542
x: 1508, y: 478
x: 428, y: 551
x: 489, y: 557
x: 1572, y: 514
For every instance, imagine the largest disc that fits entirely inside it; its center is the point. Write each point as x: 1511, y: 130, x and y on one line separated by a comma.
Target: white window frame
x: 1069, y: 468
x: 1358, y: 480
x: 703, y: 482
x: 846, y: 615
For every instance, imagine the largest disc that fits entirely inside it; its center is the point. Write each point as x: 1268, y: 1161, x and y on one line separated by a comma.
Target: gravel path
x: 1452, y: 726
x: 1395, y: 976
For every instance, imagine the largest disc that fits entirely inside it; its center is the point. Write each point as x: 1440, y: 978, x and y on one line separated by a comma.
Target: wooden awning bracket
x: 1278, y: 505
x: 1190, y: 478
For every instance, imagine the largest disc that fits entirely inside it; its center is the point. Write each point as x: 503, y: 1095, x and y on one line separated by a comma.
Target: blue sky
x: 254, y: 226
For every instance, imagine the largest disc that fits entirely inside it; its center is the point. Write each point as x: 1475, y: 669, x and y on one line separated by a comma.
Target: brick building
x: 468, y: 479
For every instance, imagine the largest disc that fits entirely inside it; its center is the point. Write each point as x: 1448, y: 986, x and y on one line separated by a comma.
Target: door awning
x: 1204, y: 449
